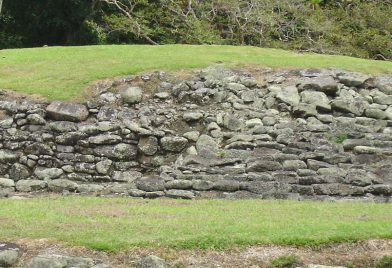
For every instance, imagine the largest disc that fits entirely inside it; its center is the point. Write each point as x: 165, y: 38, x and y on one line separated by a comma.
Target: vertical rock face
x: 308, y: 134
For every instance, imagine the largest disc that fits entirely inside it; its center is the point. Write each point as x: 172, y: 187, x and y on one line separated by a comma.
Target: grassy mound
x: 63, y: 72
x: 121, y: 223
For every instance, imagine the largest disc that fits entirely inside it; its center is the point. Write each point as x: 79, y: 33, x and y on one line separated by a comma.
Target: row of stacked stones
x: 308, y: 134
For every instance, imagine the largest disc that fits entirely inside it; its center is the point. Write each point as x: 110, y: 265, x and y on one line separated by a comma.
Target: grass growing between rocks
x: 114, y: 224
x: 64, y: 72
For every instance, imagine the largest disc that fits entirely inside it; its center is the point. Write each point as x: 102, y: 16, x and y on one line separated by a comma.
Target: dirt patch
x: 360, y: 254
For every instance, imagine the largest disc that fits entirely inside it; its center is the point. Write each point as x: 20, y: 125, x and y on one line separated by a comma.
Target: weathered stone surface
x: 19, y: 172
x: 132, y: 95
x: 105, y: 139
x: 262, y: 166
x: 67, y: 111
x: 151, y: 184
x: 182, y: 194
x: 173, y: 144
x: 48, y: 173
x: 61, y: 185
x: 192, y: 116
x: 384, y: 84
x: 152, y: 262
x: 30, y: 185
x: 352, y: 79
x: 103, y: 166
x: 289, y: 95
x: 232, y: 122
x: 318, y: 99
x: 6, y: 183
x: 9, y: 257
x: 294, y: 165
x: 148, y: 145
x: 59, y: 261
x: 321, y: 83
x: 8, y: 156
x: 354, y: 106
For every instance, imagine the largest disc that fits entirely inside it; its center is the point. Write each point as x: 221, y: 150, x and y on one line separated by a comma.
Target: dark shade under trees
x: 361, y: 28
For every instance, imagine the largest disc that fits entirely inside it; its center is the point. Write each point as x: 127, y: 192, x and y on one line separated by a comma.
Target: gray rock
x: 48, y: 173
x: 103, y: 166
x: 132, y: 95
x: 323, y: 83
x: 304, y: 110
x: 126, y: 176
x: 375, y: 113
x: 19, y: 172
x: 61, y: 185
x: 227, y: 185
x: 192, y: 116
x: 355, y: 106
x: 30, y: 185
x: 192, y: 135
x: 173, y: 144
x: 152, y: 262
x: 180, y: 194
x: 323, y: 266
x: 148, y: 145
x: 35, y: 119
x: 263, y: 165
x: 289, y: 95
x: 294, y: 165
x: 318, y: 99
x: 105, y: 139
x: 8, y: 257
x: 235, y: 87
x: 202, y: 185
x: 151, y: 184
x: 58, y: 110
x: 63, y: 126
x: 8, y: 156
x: 352, y: 79
x: 253, y: 123
x: 179, y: 184
x: 90, y: 188
x: 381, y: 98
x: 232, y: 122
x: 58, y: 261
x: 384, y: 84
x: 6, y: 183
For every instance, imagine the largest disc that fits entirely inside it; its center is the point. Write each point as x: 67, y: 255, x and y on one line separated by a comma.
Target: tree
x: 127, y: 8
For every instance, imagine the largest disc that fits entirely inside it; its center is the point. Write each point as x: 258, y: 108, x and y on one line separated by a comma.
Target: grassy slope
x: 63, y: 72
x: 120, y: 223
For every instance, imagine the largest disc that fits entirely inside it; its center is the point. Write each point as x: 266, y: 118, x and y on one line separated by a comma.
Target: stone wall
x: 303, y: 134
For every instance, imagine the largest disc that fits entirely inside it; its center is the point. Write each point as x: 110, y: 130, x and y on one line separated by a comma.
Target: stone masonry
x: 321, y: 134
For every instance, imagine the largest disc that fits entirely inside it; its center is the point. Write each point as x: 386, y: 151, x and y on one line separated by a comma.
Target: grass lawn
x: 121, y: 223
x: 63, y: 72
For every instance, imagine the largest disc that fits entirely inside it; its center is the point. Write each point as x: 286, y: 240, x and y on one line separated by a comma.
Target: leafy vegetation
x: 64, y: 72
x: 350, y: 27
x: 120, y: 223
x: 288, y: 261
x: 384, y: 262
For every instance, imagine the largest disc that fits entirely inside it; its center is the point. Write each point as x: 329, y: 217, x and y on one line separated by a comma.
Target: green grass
x: 63, y: 72
x: 121, y: 223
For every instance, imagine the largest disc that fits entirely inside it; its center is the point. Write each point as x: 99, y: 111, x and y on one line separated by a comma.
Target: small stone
x: 35, y: 119
x: 162, y: 95
x: 19, y: 172
x: 173, y: 144
x: 192, y: 116
x: 294, y: 165
x: 103, y: 166
x: 151, y: 184
x: 148, y: 145
x: 6, y: 183
x: 231, y: 122
x: 253, y: 123
x: 180, y: 194
x: 289, y: 95
x: 132, y: 95
x: 152, y: 262
x: 192, y: 135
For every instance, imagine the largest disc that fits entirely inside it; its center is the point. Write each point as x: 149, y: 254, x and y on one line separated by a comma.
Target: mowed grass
x: 64, y: 72
x: 121, y: 223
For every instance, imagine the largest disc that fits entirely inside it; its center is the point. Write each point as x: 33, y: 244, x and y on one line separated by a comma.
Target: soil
x: 359, y: 254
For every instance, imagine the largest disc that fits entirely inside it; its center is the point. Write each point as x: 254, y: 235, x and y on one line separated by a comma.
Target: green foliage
x: 341, y: 138
x: 384, y: 262
x: 287, y: 261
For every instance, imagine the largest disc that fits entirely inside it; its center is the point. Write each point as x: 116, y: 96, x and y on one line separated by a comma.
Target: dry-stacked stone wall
x: 303, y: 134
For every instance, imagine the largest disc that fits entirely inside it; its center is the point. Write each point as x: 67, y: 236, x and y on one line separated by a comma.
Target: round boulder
x: 132, y: 95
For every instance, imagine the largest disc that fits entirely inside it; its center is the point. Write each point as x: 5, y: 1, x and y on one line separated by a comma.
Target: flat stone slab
x: 66, y: 111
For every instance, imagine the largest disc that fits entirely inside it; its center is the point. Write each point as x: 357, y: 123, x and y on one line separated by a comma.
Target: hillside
x: 64, y: 72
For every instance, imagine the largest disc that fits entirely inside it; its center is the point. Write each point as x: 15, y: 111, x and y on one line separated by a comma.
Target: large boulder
x: 131, y: 95
x: 384, y: 84
x: 30, y: 185
x: 67, y: 111
x: 61, y: 185
x: 289, y: 95
x: 322, y: 83
x: 352, y: 79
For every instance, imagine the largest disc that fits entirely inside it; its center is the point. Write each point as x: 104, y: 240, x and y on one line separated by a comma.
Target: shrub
x: 289, y: 261
x: 384, y: 262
